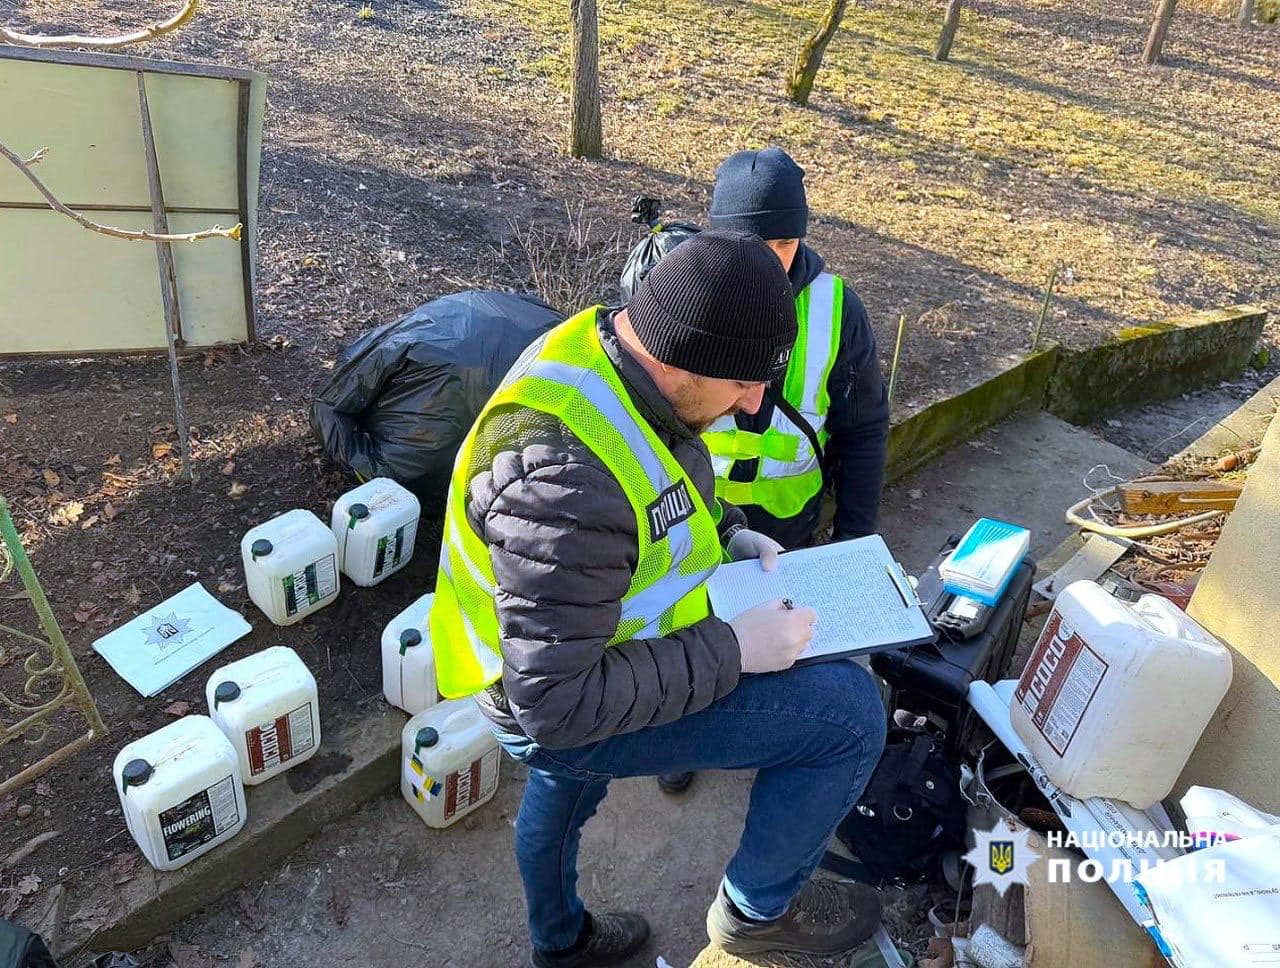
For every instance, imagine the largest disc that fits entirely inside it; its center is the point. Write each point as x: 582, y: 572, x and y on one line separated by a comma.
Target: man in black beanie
x: 582, y: 525
x: 831, y: 396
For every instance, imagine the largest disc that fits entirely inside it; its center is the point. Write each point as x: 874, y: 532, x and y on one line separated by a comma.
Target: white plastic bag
x: 1215, y: 816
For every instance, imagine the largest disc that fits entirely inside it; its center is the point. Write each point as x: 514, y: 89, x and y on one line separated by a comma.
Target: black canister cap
x: 358, y: 512
x: 135, y: 773
x: 261, y: 548
x: 409, y: 638
x: 427, y: 736
x: 225, y: 692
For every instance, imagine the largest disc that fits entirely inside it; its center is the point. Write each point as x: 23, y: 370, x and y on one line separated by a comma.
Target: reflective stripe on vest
x: 788, y: 475
x: 571, y: 377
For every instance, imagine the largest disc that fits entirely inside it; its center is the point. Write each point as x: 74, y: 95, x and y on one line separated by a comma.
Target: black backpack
x: 909, y: 815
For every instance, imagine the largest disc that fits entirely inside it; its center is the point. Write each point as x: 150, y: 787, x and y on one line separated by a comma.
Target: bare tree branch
x: 135, y: 236
x: 150, y: 32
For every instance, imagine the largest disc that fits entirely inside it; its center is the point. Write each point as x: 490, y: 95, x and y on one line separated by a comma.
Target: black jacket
x: 858, y: 425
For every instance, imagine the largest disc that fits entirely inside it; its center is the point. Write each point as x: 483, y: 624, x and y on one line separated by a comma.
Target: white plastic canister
x: 375, y: 525
x: 408, y: 666
x: 1115, y: 696
x: 268, y: 707
x: 449, y: 762
x: 180, y: 791
x: 290, y: 566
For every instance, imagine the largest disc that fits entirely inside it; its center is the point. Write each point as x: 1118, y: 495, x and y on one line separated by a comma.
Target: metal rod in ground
x: 168, y: 280
x: 1044, y: 309
x: 897, y: 356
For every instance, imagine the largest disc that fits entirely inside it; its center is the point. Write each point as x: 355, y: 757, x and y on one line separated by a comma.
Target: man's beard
x: 686, y: 402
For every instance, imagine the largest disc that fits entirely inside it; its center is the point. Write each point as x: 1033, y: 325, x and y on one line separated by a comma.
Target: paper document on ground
x: 1217, y: 906
x: 167, y: 641
x: 861, y: 596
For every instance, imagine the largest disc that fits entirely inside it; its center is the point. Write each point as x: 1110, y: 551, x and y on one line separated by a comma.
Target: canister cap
x: 409, y: 638
x: 226, y: 692
x: 135, y: 773
x: 427, y: 736
x: 358, y: 512
x: 261, y: 548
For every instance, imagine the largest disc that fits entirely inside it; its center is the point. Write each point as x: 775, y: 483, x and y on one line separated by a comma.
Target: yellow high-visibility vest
x: 788, y: 474
x: 570, y: 376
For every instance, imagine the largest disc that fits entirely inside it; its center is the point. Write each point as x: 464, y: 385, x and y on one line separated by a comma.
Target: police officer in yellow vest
x: 832, y: 391
x: 581, y: 527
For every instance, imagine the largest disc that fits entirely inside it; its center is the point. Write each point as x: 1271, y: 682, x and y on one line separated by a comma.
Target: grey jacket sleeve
x: 562, y: 539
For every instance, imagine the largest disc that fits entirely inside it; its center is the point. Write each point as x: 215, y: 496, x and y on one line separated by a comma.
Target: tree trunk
x: 949, y: 27
x: 809, y: 59
x: 585, y: 139
x: 1245, y: 17
x: 1159, y: 30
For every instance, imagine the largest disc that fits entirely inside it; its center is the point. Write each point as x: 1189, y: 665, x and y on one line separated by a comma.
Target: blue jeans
x: 814, y: 733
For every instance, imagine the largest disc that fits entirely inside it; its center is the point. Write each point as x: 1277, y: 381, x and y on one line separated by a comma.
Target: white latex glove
x: 771, y: 636
x: 752, y: 544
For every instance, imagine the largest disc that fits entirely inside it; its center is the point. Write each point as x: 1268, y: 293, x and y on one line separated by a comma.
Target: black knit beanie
x: 719, y: 305
x: 760, y: 192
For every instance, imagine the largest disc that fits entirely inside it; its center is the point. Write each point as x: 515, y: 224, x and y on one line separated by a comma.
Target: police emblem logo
x: 1000, y: 856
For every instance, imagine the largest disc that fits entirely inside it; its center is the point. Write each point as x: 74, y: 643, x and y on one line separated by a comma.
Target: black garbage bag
x: 661, y: 238
x: 403, y: 396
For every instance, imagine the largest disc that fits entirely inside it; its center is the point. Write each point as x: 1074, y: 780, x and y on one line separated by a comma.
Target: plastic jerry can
x: 375, y: 525
x: 290, y: 566
x: 408, y: 666
x: 268, y: 707
x: 1115, y: 696
x: 449, y: 762
x: 180, y: 791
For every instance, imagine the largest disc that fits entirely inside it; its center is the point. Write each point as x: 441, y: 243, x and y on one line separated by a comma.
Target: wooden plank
x: 1178, y: 497
x: 77, y: 58
x: 247, y: 241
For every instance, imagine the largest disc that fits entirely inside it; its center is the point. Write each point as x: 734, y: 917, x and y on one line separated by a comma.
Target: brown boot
x: 827, y: 917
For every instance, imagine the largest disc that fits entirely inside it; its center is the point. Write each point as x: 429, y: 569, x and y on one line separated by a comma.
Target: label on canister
x: 312, y: 584
x: 280, y: 740
x: 1059, y: 682
x: 392, y: 548
x: 200, y: 818
x: 466, y: 788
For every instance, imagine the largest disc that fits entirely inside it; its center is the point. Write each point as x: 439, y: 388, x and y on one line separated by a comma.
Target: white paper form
x: 862, y: 598
x: 1225, y: 915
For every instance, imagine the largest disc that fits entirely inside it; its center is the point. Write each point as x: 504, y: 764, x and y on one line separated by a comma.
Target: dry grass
x: 1043, y: 141
x: 571, y: 264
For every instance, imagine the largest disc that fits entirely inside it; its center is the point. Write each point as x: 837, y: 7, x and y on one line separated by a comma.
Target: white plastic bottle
x: 375, y: 525
x: 1115, y: 696
x: 290, y: 566
x: 449, y: 762
x: 267, y: 705
x: 180, y: 791
x: 408, y: 666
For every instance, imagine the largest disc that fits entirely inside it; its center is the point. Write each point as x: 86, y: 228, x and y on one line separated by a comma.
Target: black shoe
x: 675, y: 782
x: 612, y: 940
x: 826, y: 918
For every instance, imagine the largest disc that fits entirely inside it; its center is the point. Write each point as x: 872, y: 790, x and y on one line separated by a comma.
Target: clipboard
x: 864, y: 601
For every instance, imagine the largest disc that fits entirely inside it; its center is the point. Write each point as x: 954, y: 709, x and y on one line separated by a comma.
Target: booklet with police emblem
x: 167, y: 641
x: 861, y: 594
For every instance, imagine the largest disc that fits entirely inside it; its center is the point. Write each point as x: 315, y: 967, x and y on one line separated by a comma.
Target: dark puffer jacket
x: 562, y: 539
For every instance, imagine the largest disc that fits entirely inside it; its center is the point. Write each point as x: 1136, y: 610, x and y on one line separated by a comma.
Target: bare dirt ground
x: 401, y: 148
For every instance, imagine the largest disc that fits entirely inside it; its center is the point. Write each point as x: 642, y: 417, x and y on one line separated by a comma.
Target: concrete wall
x: 1149, y: 363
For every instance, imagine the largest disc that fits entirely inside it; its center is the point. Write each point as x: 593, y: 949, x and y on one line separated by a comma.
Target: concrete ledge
x: 1145, y: 364
x: 918, y: 438
x: 360, y: 762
